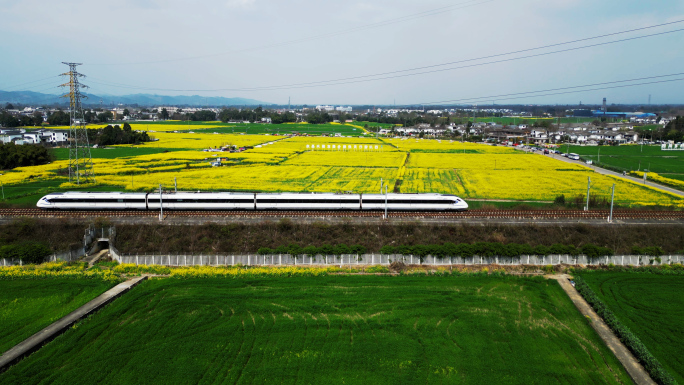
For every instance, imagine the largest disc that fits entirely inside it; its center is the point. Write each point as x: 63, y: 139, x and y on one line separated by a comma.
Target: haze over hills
x: 37, y: 98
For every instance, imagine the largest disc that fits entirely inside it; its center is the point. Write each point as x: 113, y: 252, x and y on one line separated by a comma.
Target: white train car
x: 202, y: 201
x: 308, y: 201
x: 414, y: 202
x: 78, y: 200
x: 249, y: 201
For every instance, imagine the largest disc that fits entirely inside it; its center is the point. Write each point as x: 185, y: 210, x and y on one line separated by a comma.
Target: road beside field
x: 603, y: 171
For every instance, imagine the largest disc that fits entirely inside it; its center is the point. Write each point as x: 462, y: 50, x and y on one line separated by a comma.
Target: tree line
x: 12, y: 155
x: 112, y: 135
x: 255, y: 115
x: 675, y: 130
x: 8, y: 120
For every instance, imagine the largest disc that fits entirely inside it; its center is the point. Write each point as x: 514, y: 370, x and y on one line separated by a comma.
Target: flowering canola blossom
x: 332, y: 164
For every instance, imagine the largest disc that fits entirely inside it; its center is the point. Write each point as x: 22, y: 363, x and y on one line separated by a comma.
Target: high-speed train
x: 249, y: 201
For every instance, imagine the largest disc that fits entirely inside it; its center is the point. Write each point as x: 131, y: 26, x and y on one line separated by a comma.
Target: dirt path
x: 91, y: 259
x: 635, y: 370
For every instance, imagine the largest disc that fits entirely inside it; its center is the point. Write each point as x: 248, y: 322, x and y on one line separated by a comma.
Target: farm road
x: 617, y: 174
x: 635, y: 370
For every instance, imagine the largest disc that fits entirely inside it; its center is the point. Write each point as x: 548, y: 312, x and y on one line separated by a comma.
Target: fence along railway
x: 475, y: 214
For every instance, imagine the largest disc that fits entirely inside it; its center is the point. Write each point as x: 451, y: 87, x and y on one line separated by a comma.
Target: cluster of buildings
x: 333, y: 108
x: 583, y: 133
x: 22, y: 136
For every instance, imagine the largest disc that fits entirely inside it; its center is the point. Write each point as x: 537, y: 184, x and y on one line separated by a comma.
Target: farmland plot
x: 652, y: 307
x: 27, y: 306
x: 323, y: 330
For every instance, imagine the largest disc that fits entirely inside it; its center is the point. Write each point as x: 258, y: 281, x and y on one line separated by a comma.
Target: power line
x: 8, y: 88
x: 401, y: 73
x: 529, y: 94
x: 432, y: 12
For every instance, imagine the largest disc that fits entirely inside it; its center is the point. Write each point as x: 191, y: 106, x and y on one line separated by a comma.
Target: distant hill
x: 37, y: 98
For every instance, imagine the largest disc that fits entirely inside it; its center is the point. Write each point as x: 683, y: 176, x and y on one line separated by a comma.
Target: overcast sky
x: 227, y: 48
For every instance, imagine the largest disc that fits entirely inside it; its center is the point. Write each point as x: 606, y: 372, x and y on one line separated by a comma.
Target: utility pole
x: 161, y: 209
x: 612, y: 198
x: 80, y: 159
x: 586, y: 208
x: 385, y: 201
x: 175, y: 185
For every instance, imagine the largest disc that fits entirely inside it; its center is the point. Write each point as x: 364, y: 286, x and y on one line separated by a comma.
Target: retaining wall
x: 68, y: 256
x: 380, y: 259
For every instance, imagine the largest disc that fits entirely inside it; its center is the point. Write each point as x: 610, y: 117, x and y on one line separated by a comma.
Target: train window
x: 120, y: 200
x: 406, y: 201
x: 309, y: 201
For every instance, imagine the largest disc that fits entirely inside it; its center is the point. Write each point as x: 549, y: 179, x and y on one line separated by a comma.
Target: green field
x: 264, y: 128
x: 330, y: 330
x: 255, y: 129
x: 28, y: 194
x: 669, y: 164
x: 652, y: 307
x: 27, y: 306
x: 114, y: 152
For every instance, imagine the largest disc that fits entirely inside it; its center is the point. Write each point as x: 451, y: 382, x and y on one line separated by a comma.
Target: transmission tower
x: 80, y: 161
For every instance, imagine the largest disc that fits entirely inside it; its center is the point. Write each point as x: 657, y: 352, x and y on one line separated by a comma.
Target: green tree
x: 12, y: 156
x: 59, y: 118
x: 7, y: 120
x: 164, y: 114
x: 104, y: 117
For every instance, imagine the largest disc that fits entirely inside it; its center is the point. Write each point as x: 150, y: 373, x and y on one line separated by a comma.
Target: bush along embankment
x: 496, y: 249
x: 296, y: 250
x: 481, y: 249
x: 26, y: 252
x: 645, y: 358
x: 238, y: 238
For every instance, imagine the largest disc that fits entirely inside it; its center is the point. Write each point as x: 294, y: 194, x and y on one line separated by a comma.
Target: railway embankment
x: 244, y: 238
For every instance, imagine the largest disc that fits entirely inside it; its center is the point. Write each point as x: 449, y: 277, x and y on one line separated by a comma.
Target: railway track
x: 482, y: 214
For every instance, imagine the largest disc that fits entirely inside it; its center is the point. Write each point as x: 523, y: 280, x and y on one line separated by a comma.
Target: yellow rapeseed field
x: 269, y: 178
x: 515, y: 161
x: 446, y: 146
x: 520, y: 176
x: 286, y: 164
x: 349, y: 159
